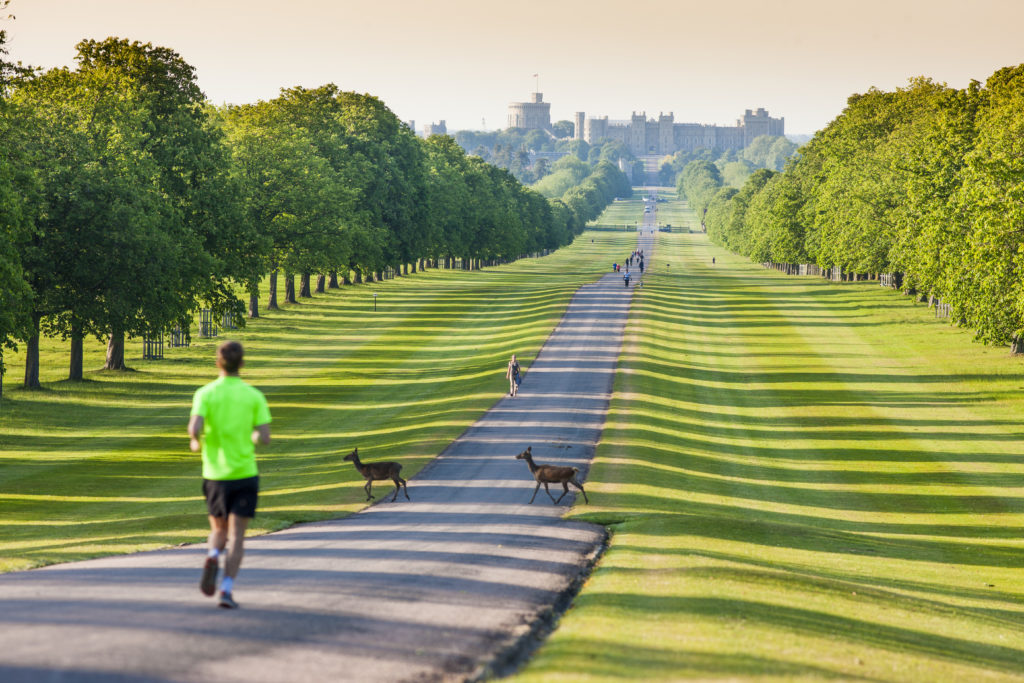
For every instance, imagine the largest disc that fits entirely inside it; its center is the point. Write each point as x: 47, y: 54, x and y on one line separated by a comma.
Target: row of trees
x: 734, y: 167
x: 127, y: 201
x: 514, y: 149
x: 926, y: 181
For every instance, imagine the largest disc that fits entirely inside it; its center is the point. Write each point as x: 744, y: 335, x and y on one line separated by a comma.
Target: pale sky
x: 465, y: 60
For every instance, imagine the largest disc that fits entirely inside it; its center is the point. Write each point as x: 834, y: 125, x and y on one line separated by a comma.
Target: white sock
x: 213, y: 552
x: 227, y: 584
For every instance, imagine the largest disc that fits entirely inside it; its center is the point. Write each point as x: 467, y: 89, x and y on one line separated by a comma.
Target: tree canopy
x: 924, y: 181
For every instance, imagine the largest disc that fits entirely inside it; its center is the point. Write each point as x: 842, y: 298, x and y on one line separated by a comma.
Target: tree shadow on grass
x: 604, y: 660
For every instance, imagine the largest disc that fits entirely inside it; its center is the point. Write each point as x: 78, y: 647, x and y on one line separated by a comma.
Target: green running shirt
x: 230, y: 409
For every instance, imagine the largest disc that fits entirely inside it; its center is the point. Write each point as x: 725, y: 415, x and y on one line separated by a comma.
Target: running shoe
x: 208, y: 584
x: 226, y: 601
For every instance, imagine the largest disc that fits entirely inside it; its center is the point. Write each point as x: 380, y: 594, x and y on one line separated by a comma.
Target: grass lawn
x: 805, y: 481
x: 623, y: 214
x: 103, y: 466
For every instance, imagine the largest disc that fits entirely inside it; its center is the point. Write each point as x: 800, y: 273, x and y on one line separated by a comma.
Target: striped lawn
x: 805, y: 481
x: 103, y: 466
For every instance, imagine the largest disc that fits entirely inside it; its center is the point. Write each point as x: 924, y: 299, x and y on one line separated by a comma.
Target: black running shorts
x: 232, y: 496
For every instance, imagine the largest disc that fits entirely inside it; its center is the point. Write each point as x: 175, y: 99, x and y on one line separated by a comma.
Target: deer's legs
x: 535, y: 493
x: 580, y: 487
x: 368, y: 488
x: 405, y: 488
x: 548, y: 491
x: 399, y: 483
x: 565, y: 490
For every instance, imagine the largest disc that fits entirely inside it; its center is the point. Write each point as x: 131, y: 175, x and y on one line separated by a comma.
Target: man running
x: 232, y: 418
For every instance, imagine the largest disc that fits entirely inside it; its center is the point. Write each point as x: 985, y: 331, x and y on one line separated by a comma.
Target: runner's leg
x: 236, y: 527
x: 218, y: 533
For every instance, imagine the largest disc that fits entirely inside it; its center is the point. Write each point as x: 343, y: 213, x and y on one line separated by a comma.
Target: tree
x: 698, y: 183
x: 289, y: 191
x: 96, y: 215
x: 15, y: 294
x: 393, y: 196
x: 735, y: 173
x: 203, y: 240
x: 563, y: 129
x: 991, y: 293
x: 448, y: 196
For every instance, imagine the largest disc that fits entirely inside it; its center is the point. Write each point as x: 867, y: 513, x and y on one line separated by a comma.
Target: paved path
x: 427, y: 590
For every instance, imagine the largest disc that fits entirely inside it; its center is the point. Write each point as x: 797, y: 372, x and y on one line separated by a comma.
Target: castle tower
x: 666, y: 133
x: 758, y: 123
x: 532, y: 115
x: 577, y: 132
x: 638, y: 133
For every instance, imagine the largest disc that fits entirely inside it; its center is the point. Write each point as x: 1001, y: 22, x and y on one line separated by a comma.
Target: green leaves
x: 927, y: 181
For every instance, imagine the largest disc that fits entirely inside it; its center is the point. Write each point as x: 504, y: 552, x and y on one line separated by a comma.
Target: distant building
x: 650, y: 136
x: 665, y: 136
x: 438, y: 128
x: 533, y: 115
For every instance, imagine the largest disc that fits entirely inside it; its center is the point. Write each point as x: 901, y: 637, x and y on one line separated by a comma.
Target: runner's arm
x: 195, y: 428
x: 261, y: 434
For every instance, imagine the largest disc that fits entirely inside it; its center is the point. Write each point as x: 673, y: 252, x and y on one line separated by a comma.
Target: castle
x: 649, y: 136
x: 532, y: 115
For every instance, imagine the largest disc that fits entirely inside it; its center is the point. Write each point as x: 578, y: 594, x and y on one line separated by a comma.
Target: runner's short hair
x: 229, y: 356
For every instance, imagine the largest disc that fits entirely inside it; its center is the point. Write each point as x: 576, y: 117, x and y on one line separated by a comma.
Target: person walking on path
x: 231, y: 417
x: 514, y: 376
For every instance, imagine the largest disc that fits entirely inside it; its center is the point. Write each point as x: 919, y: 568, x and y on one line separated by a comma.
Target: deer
x: 551, y: 474
x: 379, y: 471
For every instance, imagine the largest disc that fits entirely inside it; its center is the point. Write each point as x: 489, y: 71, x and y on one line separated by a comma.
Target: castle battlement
x: 651, y: 136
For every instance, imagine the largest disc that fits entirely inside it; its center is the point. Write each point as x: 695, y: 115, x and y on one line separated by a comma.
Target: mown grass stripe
x: 102, y: 466
x: 805, y: 481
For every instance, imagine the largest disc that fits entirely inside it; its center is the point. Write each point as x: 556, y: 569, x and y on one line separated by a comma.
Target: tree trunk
x: 346, y: 278
x: 75, y: 371
x: 414, y: 266
x: 359, y: 276
x: 304, y: 290
x: 115, y: 351
x: 405, y: 269
x: 380, y: 275
x: 332, y: 281
x: 2, y: 370
x: 254, y: 304
x: 289, y: 289
x: 1017, y: 346
x: 321, y: 283
x: 272, y: 303
x: 32, y: 357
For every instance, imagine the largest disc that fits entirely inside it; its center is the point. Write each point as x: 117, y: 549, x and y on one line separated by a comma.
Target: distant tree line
x: 734, y: 167
x: 924, y: 183
x: 514, y: 149
x: 127, y: 201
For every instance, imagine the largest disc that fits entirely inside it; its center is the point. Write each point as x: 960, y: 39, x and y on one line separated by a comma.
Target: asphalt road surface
x: 434, y: 589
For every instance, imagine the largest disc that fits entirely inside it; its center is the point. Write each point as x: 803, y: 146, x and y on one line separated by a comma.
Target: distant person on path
x: 514, y: 376
x: 625, y: 279
x: 712, y: 260
x: 232, y: 417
